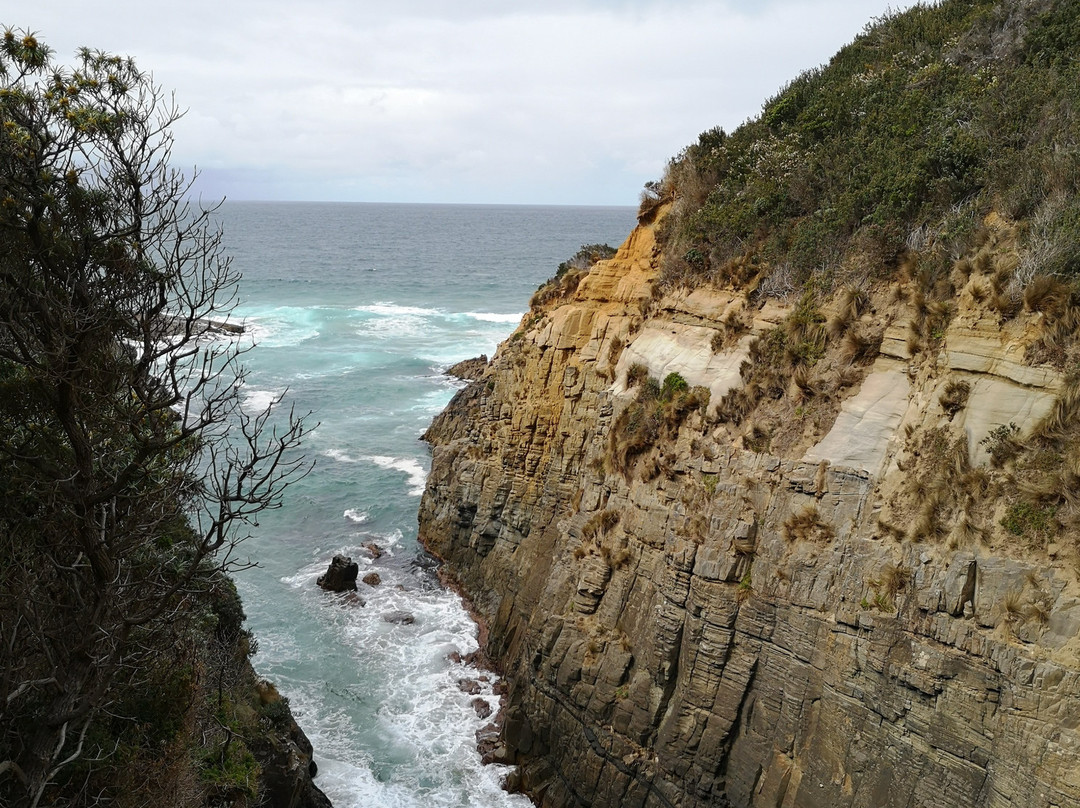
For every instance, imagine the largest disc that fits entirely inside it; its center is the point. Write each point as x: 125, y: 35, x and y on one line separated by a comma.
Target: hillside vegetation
x: 899, y: 147
x: 927, y: 179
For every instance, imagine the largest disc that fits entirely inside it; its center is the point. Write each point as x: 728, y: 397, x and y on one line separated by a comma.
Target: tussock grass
x: 807, y: 525
x: 954, y: 397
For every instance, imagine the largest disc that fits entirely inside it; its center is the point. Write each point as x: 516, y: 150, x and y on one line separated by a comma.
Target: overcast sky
x: 555, y: 102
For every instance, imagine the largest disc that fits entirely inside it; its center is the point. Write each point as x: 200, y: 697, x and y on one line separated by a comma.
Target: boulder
x: 372, y: 579
x: 341, y: 575
x: 399, y: 618
x: 482, y: 708
x: 470, y: 686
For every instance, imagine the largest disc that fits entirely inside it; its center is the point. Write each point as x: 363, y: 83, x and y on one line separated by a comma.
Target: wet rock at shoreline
x: 399, y: 618
x: 372, y: 579
x: 470, y: 686
x: 340, y: 576
x: 482, y: 708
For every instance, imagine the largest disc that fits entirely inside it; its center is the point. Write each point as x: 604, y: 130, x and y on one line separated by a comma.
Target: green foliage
x: 1029, y: 520
x: 954, y: 105
x: 746, y: 583
x: 108, y: 274
x: 276, y: 711
x: 231, y: 771
x: 710, y: 481
x: 882, y: 602
x: 673, y: 385
x: 654, y: 415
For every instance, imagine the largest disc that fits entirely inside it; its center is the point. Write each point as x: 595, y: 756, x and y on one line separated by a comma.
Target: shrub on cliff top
x: 570, y: 272
x: 959, y: 105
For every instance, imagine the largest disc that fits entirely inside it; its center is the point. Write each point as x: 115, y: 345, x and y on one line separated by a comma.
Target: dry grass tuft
x: 636, y: 374
x: 892, y: 579
x: 807, y: 525
x: 599, y: 523
x: 1046, y: 294
x: 1012, y: 607
x: 757, y: 438
x: 979, y: 292
x: 846, y: 376
x: 961, y: 272
x: 954, y: 397
x: 860, y: 346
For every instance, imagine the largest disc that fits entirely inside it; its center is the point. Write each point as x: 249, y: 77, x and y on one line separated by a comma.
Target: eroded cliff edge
x: 818, y: 608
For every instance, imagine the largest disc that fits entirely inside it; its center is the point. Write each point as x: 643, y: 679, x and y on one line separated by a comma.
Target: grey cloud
x: 569, y: 101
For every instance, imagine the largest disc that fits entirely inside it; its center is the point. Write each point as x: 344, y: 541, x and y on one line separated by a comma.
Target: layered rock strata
x: 722, y: 626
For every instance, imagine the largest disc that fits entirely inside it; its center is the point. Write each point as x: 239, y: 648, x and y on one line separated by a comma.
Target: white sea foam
x: 489, y: 317
x: 422, y: 717
x: 339, y: 455
x: 391, y: 329
x: 356, y: 515
x: 279, y: 332
x: 256, y: 401
x: 417, y: 473
x: 394, y: 309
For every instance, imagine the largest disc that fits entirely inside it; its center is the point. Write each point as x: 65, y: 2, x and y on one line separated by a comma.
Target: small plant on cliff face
x: 892, y: 579
x: 1030, y: 521
x: 745, y: 588
x: 1002, y: 444
x: 673, y: 385
x: 636, y: 374
x: 882, y: 602
x: 599, y: 523
x: 954, y: 396
x: 709, y: 482
x: 807, y: 525
x: 1012, y: 608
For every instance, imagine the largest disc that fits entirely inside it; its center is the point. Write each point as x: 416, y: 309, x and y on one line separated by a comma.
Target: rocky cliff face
x: 817, y: 606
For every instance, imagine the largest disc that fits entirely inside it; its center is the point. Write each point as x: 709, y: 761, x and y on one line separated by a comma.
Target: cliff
x: 760, y: 627
x: 780, y: 505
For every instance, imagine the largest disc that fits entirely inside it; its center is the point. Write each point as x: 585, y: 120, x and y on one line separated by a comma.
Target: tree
x: 128, y: 469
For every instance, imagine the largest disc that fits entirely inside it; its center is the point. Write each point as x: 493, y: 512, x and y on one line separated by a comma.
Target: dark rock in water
x: 487, y: 738
x: 455, y: 657
x: 399, y: 618
x: 354, y: 599
x: 375, y: 550
x: 341, y: 575
x: 482, y: 708
x: 469, y: 369
x: 470, y: 686
x: 372, y: 579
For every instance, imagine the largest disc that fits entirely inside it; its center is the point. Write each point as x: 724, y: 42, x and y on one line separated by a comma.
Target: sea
x: 353, y: 312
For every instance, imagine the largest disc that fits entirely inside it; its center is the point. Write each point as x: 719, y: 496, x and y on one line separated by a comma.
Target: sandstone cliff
x: 795, y: 590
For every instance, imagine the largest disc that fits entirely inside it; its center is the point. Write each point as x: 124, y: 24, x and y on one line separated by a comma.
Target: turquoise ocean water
x: 355, y: 311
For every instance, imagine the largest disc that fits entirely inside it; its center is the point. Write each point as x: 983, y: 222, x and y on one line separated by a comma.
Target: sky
x: 473, y: 101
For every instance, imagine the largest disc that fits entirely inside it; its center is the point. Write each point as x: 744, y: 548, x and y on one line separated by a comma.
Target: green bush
x: 673, y: 385
x: 928, y: 111
x: 1028, y: 520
